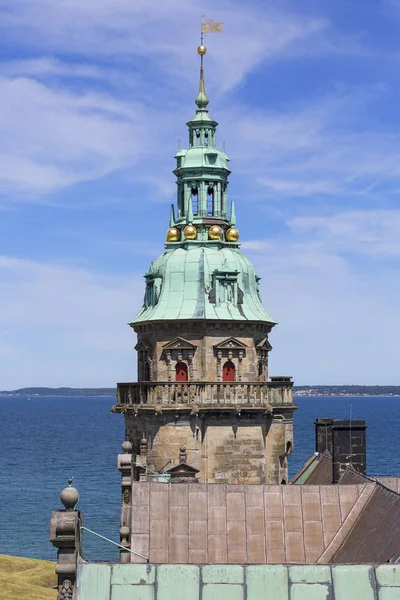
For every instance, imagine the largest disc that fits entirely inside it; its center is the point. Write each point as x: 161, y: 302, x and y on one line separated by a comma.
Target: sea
x: 46, y: 440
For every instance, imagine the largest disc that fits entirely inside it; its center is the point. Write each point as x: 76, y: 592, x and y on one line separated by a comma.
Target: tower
x: 203, y: 405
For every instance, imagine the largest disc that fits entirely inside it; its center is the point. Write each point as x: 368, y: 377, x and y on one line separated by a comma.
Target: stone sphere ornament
x: 190, y: 232
x: 69, y: 496
x: 232, y: 235
x: 173, y: 235
x: 201, y: 50
x: 215, y: 232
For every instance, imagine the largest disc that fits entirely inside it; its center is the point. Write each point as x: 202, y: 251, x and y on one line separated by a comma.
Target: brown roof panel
x: 375, y: 536
x: 323, y: 472
x: 318, y: 470
x: 351, y: 477
x: 393, y: 483
x: 217, y: 523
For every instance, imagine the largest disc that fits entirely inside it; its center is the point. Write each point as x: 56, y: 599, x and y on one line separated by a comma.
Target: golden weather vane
x: 208, y: 26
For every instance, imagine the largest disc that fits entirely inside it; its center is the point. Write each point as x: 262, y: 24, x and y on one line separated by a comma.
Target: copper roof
x: 375, y: 536
x: 318, y: 470
x: 217, y: 523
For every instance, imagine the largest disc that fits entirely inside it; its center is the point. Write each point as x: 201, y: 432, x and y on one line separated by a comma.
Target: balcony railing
x: 204, y: 394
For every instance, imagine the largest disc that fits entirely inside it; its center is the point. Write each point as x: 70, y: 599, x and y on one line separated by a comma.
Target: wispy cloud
x: 53, y: 138
x: 371, y: 232
x: 60, y: 314
x: 326, y: 148
x: 159, y: 31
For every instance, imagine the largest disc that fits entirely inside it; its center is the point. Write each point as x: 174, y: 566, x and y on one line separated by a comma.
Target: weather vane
x: 208, y: 26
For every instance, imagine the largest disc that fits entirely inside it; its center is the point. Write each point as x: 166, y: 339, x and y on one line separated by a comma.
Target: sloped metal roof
x: 184, y: 280
x: 211, y: 523
x: 316, y: 471
x: 375, y: 536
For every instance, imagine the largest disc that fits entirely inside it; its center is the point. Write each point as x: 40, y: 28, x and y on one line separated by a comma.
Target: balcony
x: 197, y: 396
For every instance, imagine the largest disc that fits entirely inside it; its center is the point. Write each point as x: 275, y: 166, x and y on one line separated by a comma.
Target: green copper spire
x: 202, y: 274
x: 202, y: 181
x: 202, y: 98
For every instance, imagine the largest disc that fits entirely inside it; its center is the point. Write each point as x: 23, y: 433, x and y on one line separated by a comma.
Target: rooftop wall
x: 235, y: 582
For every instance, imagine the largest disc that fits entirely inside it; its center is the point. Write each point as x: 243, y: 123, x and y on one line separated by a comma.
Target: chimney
x: 345, y: 440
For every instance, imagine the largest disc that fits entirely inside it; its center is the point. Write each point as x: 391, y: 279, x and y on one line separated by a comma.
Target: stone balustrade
x: 254, y: 394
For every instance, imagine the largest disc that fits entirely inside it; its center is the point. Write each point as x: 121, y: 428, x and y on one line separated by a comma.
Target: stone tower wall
x: 208, y: 347
x: 224, y: 447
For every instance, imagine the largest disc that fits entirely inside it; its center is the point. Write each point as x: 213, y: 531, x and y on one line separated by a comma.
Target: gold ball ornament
x: 232, y: 235
x: 215, y: 232
x: 190, y: 232
x: 173, y: 235
x: 201, y: 50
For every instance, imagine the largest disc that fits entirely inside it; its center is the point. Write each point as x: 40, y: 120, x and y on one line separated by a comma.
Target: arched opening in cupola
x: 195, y: 201
x: 210, y: 200
x: 181, y: 371
x: 228, y: 371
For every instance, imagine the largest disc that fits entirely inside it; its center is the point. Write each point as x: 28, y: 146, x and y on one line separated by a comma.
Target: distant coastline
x: 299, y: 391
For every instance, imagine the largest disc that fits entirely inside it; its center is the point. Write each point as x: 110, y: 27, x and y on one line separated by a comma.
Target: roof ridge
x: 348, y: 524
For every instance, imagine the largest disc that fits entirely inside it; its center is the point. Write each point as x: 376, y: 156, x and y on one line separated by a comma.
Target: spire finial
x: 202, y: 98
x: 232, y: 220
x: 172, y: 216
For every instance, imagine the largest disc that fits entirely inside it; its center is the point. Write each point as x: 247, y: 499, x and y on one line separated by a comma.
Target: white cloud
x: 325, y: 148
x: 67, y: 133
x: 53, y: 138
x: 336, y: 324
x: 371, y: 232
x: 160, y: 31
x: 65, y: 326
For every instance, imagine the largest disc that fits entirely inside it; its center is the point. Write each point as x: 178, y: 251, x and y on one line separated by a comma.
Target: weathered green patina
x: 237, y: 582
x: 202, y: 278
x: 202, y: 282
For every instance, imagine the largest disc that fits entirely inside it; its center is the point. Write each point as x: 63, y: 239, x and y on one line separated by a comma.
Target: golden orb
x: 190, y: 232
x: 215, y: 232
x: 232, y: 235
x: 173, y: 235
x: 201, y: 50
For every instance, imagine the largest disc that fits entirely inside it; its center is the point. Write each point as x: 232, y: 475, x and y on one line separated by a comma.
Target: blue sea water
x: 45, y: 440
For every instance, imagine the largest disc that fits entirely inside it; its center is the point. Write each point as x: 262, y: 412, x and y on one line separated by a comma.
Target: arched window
x: 260, y: 370
x: 195, y: 201
x: 181, y: 371
x: 147, y: 372
x: 228, y: 372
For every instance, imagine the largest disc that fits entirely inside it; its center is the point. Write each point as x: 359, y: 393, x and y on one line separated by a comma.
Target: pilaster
x: 125, y: 468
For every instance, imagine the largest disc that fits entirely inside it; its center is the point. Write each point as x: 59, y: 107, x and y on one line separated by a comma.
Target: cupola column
x: 217, y: 199
x: 202, y: 199
x: 225, y: 201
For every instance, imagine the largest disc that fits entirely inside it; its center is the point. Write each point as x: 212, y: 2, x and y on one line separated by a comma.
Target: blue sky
x: 94, y: 96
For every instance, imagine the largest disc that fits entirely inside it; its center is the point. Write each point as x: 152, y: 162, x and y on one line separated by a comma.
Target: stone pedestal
x: 65, y: 535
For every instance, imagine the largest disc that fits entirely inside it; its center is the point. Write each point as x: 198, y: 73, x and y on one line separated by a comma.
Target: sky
x: 94, y: 96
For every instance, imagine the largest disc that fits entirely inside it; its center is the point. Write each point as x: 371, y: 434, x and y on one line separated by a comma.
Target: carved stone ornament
x: 67, y: 590
x: 126, y: 496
